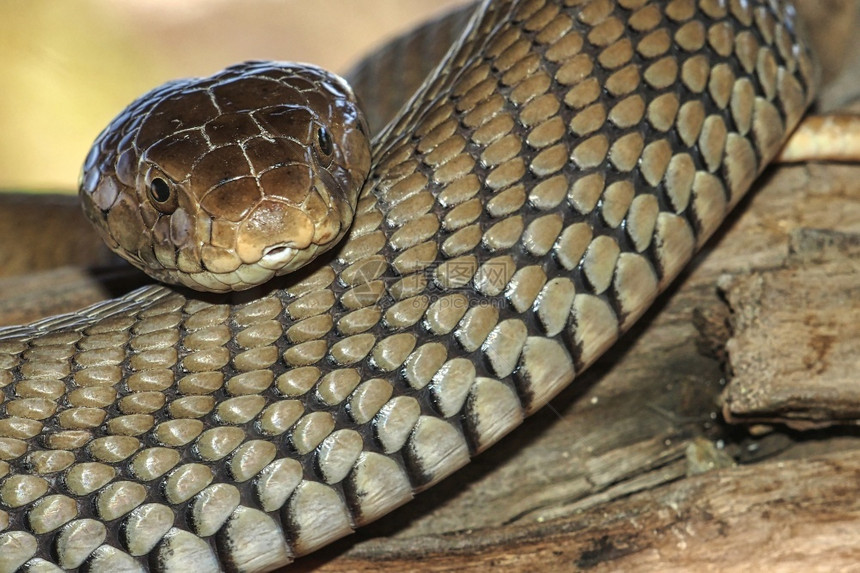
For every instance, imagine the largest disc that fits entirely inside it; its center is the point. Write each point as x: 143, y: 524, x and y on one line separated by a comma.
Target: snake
x: 441, y: 281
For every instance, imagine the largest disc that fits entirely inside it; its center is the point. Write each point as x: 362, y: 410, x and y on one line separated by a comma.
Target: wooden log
x: 45, y: 231
x: 795, y: 515
x: 32, y: 296
x: 795, y: 349
x: 51, y: 259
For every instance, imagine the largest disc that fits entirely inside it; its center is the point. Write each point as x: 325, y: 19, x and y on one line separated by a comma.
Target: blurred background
x: 69, y: 67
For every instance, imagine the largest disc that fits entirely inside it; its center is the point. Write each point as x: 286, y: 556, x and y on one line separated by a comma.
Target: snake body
x: 555, y: 173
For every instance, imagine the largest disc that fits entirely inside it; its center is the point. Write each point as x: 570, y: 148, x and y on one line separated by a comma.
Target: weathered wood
x: 44, y: 231
x: 29, y: 297
x: 795, y: 349
x: 51, y: 259
x: 795, y: 515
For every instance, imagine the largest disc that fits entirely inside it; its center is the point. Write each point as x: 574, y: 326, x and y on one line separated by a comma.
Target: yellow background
x: 69, y: 66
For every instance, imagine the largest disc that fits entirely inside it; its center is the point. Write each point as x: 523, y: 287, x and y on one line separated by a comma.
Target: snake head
x: 222, y: 183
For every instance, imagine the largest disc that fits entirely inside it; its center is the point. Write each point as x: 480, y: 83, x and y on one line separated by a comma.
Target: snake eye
x: 159, y: 190
x: 161, y: 194
x: 324, y: 141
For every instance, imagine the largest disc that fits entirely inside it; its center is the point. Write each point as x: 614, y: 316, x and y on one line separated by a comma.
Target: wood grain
x: 793, y: 353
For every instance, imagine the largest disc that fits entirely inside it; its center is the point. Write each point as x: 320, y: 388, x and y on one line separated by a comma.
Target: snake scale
x: 555, y: 173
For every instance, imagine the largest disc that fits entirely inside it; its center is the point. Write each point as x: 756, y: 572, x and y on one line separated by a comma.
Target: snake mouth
x: 276, y: 256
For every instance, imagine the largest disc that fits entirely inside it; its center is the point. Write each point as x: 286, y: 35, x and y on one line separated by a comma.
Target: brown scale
x: 519, y: 218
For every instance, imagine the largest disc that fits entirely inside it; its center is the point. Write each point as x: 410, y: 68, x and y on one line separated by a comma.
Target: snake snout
x: 272, y: 234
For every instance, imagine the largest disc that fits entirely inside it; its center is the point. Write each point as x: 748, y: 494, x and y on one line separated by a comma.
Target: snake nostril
x: 324, y: 141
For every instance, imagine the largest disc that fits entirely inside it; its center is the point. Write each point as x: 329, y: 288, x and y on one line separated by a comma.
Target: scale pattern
x: 536, y: 196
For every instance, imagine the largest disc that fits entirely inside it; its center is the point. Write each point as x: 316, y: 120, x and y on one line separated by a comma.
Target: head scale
x: 221, y: 183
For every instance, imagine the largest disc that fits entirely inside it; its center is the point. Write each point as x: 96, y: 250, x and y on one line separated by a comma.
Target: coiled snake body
x: 558, y: 170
